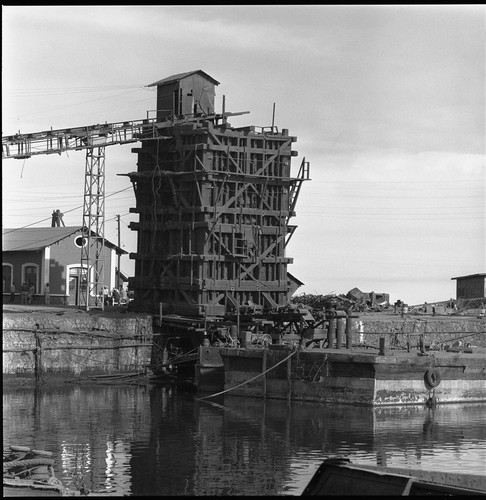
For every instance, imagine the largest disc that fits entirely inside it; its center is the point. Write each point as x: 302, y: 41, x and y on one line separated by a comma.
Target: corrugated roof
x: 37, y: 238
x: 180, y: 76
x: 469, y: 276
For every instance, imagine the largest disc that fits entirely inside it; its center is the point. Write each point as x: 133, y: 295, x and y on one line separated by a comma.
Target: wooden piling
x: 264, y: 369
x: 349, y: 332
x: 341, y: 326
x: 38, y: 358
x: 289, y: 378
x: 331, y: 333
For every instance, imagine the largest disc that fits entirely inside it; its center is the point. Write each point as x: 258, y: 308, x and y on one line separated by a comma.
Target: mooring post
x: 341, y: 325
x: 349, y: 333
x: 331, y: 333
x: 38, y: 358
x: 383, y: 346
x: 264, y: 369
x: 289, y: 381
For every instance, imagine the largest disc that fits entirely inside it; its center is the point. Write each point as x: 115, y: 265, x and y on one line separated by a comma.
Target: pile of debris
x: 355, y: 299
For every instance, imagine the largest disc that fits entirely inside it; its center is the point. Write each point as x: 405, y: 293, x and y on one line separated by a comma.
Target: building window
x: 80, y: 241
x: 30, y: 273
x: 7, y: 273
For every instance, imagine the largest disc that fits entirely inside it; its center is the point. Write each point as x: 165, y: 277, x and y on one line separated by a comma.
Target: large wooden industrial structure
x: 214, y: 205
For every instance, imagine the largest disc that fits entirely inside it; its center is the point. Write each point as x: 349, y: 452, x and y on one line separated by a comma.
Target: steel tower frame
x: 94, y: 227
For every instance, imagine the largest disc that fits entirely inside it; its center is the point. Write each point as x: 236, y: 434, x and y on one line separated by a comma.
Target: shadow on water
x: 157, y: 440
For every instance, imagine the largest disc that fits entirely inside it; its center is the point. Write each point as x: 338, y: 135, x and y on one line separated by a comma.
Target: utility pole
x: 118, y: 279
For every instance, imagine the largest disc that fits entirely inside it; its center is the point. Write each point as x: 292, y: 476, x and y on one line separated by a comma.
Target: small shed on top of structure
x: 190, y: 93
x: 472, y: 286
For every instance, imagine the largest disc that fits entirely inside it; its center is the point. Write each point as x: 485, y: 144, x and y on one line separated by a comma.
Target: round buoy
x: 432, y: 378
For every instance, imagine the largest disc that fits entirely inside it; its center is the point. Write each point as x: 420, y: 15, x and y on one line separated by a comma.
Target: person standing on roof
x: 12, y: 293
x: 59, y: 216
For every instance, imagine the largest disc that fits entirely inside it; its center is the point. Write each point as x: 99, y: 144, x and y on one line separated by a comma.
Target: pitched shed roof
x: 37, y: 238
x: 180, y: 76
x: 479, y: 275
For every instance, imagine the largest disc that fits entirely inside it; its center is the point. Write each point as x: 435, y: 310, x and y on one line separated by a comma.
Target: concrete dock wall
x: 48, y: 345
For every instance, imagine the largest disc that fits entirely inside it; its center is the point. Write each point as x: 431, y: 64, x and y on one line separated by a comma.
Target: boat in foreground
x: 30, y: 473
x: 338, y: 476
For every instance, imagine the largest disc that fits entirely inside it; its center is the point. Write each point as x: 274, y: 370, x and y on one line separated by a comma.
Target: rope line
x: 251, y: 379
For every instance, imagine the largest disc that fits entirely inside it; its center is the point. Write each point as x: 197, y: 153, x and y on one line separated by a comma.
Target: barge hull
x: 358, y: 378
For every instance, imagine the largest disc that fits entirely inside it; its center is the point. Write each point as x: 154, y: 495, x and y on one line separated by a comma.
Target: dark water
x: 154, y: 440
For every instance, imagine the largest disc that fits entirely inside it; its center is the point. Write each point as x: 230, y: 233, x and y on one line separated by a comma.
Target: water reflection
x: 158, y: 441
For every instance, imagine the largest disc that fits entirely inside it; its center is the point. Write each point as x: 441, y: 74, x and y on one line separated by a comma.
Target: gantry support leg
x: 94, y: 228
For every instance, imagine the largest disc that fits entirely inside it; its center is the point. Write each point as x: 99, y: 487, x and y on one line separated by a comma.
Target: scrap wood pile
x: 354, y: 300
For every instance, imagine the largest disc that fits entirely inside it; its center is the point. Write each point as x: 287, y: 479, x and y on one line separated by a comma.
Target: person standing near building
x: 30, y: 293
x: 123, y: 295
x: 12, y: 293
x: 24, y: 291
x: 106, y: 296
x: 47, y: 294
x: 115, y: 296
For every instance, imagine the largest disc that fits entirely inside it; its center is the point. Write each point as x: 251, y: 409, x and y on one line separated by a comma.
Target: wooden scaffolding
x: 214, y: 205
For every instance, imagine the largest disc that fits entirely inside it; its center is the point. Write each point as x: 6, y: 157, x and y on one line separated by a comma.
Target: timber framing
x: 214, y: 205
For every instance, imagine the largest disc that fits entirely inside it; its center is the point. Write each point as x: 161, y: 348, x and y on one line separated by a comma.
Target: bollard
x: 341, y: 326
x: 349, y: 332
x: 331, y: 333
x: 383, y: 346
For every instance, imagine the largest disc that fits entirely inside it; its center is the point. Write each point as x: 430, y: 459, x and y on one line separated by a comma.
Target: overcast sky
x: 387, y: 104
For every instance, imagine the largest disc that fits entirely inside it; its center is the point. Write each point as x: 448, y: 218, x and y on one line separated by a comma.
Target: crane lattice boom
x: 21, y: 146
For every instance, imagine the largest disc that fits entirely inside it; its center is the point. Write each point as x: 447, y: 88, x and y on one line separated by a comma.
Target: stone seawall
x: 436, y: 330
x: 71, y: 344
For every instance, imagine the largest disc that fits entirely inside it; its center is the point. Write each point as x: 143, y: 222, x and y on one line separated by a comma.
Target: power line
x: 65, y: 212
x: 74, y: 104
x: 38, y: 92
x: 391, y: 217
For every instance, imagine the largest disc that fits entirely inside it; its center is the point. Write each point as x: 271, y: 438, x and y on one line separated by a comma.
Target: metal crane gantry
x: 93, y: 139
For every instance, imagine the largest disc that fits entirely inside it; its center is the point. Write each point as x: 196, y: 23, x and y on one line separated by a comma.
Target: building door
x: 73, y: 290
x: 77, y: 285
